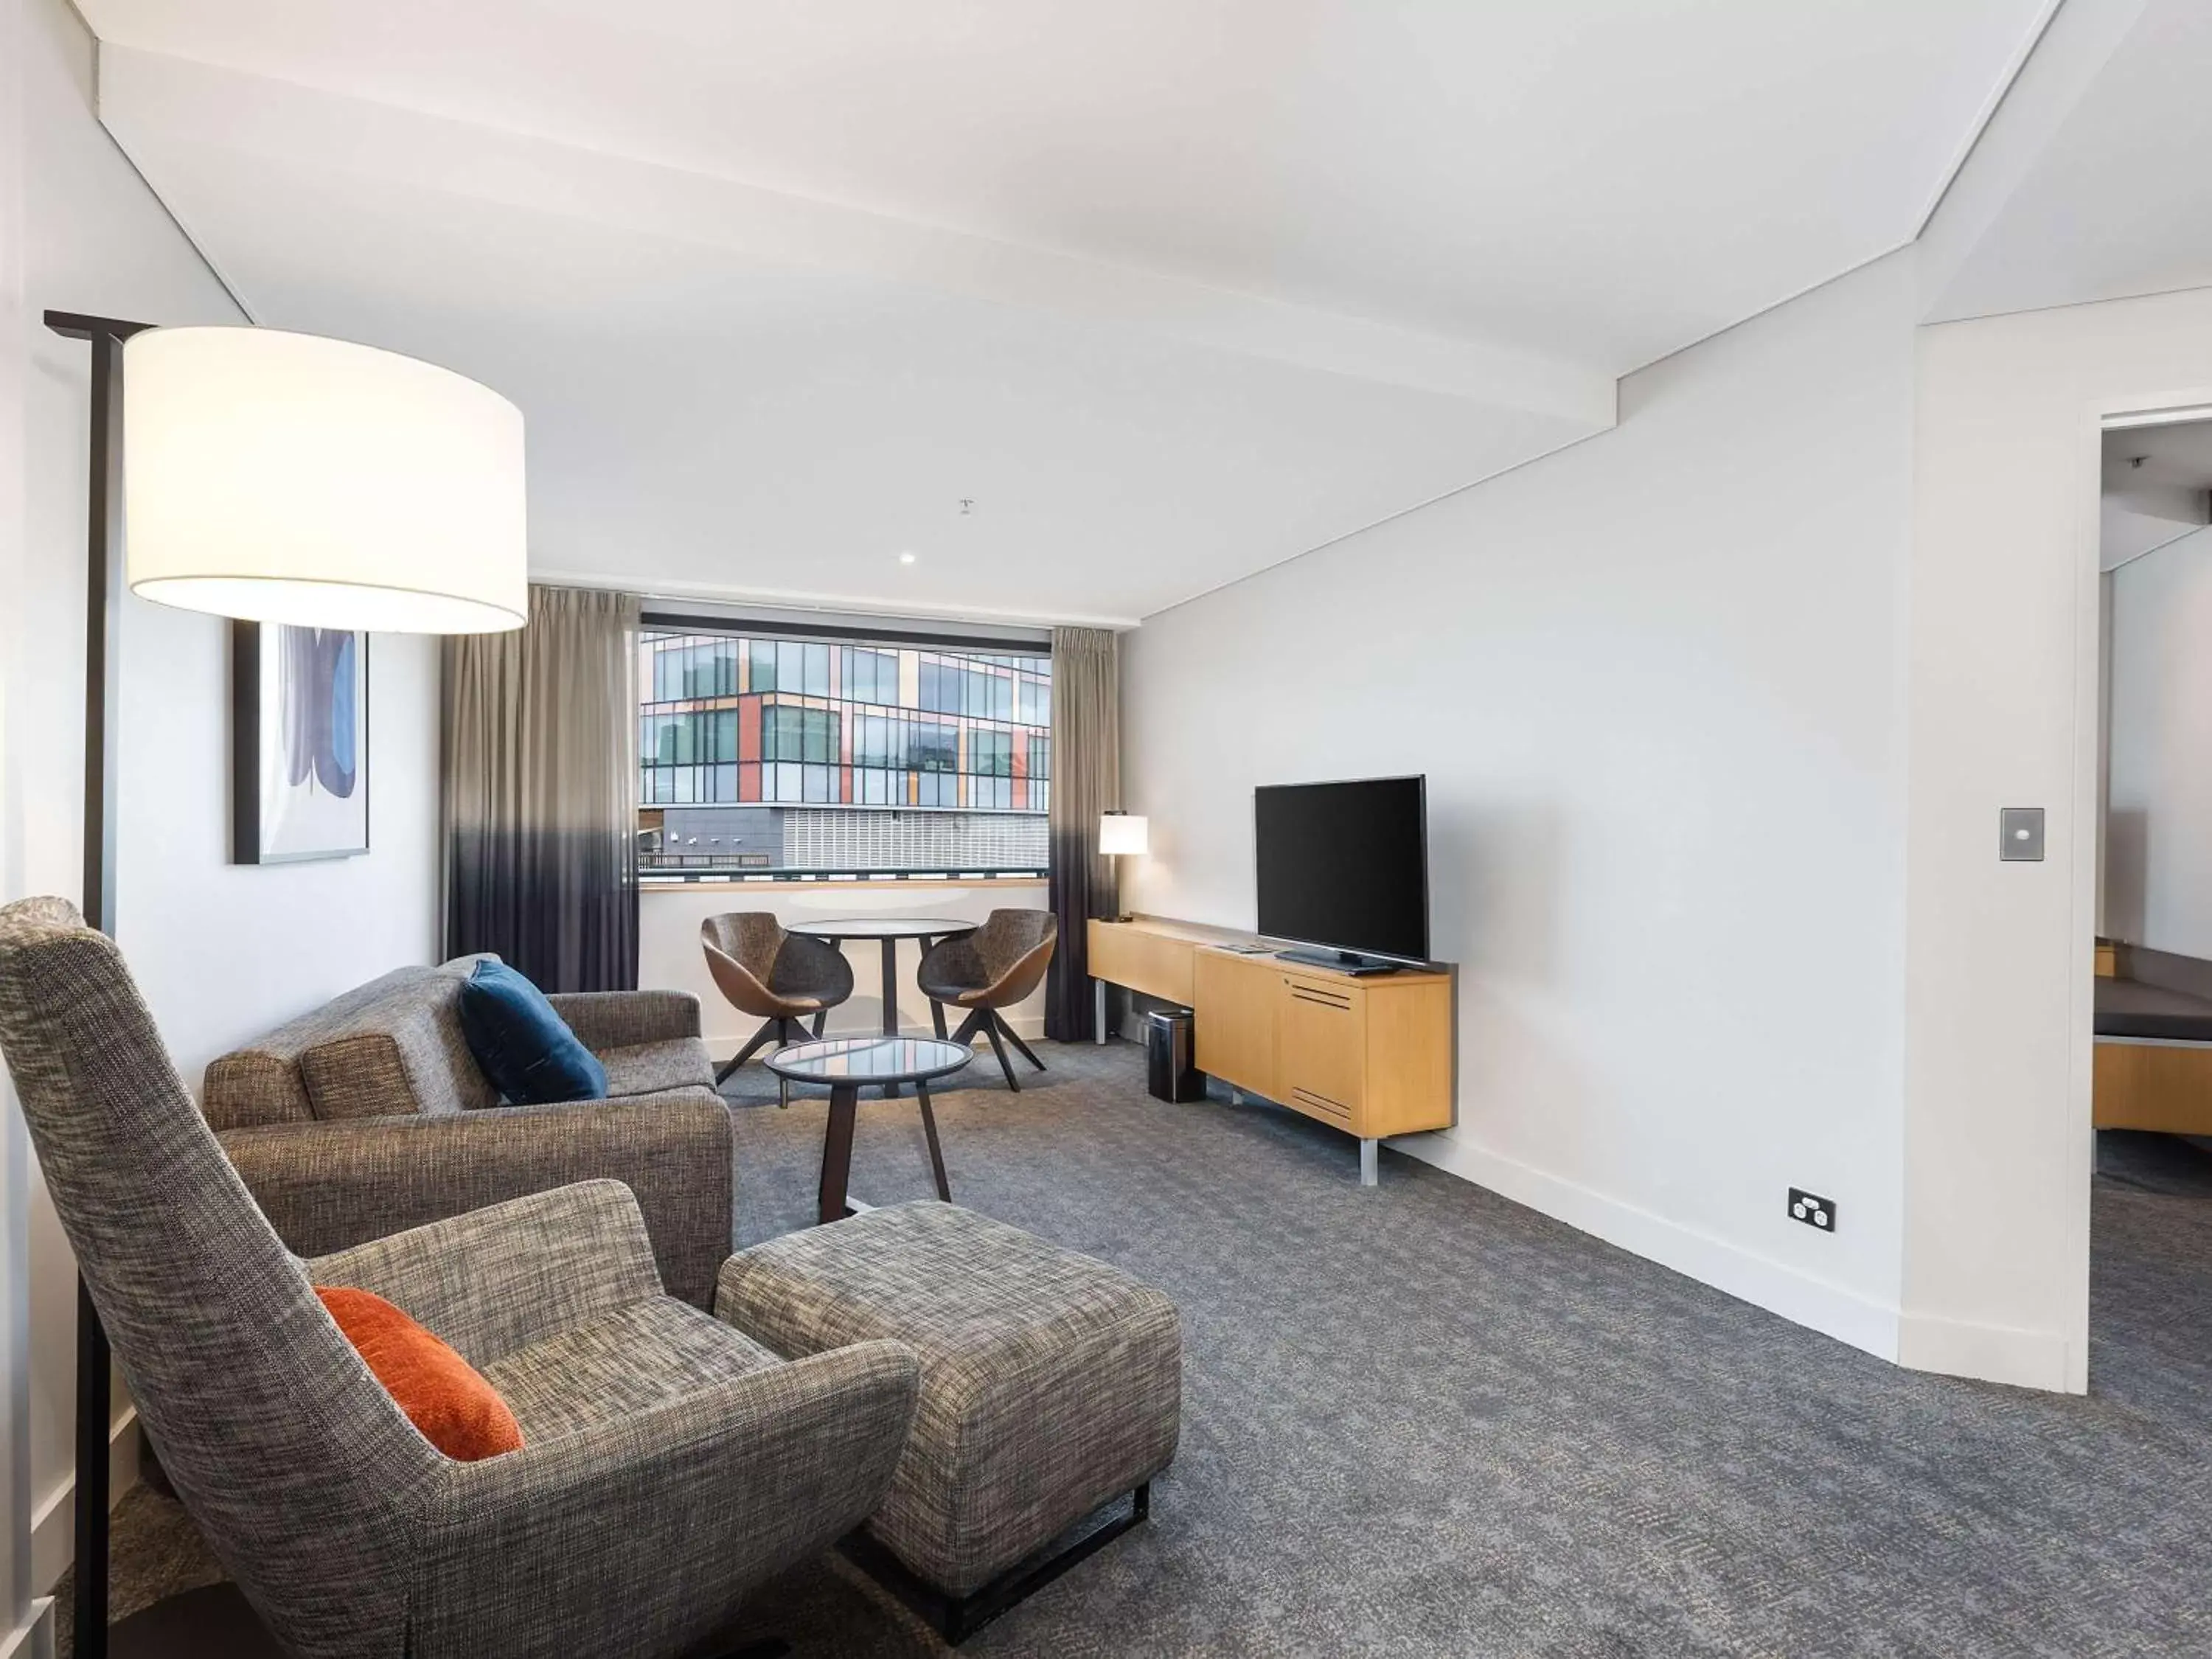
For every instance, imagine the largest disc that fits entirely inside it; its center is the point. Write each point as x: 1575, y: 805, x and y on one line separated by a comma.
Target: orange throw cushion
x: 443, y: 1395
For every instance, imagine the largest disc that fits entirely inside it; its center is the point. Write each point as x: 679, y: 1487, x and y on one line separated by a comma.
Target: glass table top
x: 882, y: 928
x: 869, y: 1060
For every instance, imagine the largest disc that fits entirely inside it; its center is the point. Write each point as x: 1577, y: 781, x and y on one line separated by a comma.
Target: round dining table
x: 889, y: 930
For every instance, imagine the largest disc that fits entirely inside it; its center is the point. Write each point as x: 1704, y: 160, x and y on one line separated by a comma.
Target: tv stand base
x: 1368, y: 1057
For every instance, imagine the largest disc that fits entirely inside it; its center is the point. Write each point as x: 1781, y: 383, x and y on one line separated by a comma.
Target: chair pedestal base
x: 957, y: 1617
x: 989, y: 1022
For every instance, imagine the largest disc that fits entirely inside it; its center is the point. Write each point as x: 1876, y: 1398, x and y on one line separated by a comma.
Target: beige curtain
x: 1086, y: 780
x: 538, y: 792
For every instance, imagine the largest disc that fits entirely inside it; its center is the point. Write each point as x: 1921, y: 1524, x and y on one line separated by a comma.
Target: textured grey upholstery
x: 394, y: 1048
x: 657, y: 1068
x: 769, y: 974
x: 409, y: 1019
x: 325, y: 1186
x: 993, y: 968
x: 782, y: 978
x: 1050, y: 1382
x: 368, y: 1114
x: 624, y: 1529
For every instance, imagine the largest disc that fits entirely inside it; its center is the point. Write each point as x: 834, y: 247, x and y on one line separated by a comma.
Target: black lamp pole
x: 103, y: 624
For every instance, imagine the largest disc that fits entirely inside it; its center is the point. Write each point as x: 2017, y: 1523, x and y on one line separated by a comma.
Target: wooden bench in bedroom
x: 2154, y: 1059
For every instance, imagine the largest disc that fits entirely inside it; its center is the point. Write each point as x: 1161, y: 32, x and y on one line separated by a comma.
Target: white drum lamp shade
x: 289, y: 478
x: 1124, y: 832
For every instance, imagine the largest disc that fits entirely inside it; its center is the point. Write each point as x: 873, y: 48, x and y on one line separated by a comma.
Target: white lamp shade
x: 1124, y: 832
x: 290, y: 478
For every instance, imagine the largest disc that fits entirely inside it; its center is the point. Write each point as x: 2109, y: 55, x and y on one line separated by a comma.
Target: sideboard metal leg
x: 1098, y: 1010
x: 1367, y: 1162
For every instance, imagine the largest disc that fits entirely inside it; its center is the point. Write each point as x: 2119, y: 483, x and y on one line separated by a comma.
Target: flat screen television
x: 1345, y: 866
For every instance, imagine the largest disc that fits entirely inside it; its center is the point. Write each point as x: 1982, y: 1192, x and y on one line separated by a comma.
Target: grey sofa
x: 669, y: 1463
x: 369, y: 1115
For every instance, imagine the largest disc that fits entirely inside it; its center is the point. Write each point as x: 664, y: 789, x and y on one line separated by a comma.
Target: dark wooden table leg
x: 837, y: 1151
x: 936, y: 1152
x: 890, y: 1000
x: 890, y: 988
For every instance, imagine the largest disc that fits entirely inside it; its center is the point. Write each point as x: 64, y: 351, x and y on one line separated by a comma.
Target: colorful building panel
x: 732, y: 720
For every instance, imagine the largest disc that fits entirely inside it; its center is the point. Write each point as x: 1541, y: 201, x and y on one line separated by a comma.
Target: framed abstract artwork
x: 298, y: 732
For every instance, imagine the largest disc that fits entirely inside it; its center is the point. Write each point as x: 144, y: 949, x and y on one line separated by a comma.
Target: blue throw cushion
x: 525, y: 1048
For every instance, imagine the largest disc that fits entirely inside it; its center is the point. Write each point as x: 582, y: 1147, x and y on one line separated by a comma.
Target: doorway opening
x: 2151, y: 1197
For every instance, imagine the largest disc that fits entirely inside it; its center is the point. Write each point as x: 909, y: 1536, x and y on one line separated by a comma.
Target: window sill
x: 816, y: 884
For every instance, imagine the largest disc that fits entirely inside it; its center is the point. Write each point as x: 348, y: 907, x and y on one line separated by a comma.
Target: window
x: 940, y: 687
x: 992, y: 753
x: 792, y: 666
x: 790, y: 734
x: 879, y: 740
x: 1040, y: 778
x: 701, y: 668
x: 934, y: 751
x: 686, y: 756
x: 760, y: 751
x: 871, y: 676
x: 991, y: 766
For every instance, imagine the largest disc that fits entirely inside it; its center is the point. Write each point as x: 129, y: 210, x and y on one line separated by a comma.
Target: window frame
x: 839, y: 690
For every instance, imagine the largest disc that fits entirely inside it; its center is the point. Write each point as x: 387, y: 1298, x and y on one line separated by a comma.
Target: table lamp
x: 1121, y: 833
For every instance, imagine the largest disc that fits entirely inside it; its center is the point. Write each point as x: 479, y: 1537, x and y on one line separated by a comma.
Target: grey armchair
x: 783, y: 978
x: 669, y: 1464
x: 993, y: 968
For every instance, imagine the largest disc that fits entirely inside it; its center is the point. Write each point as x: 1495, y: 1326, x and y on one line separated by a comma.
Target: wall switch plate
x: 2019, y: 835
x: 1812, y: 1209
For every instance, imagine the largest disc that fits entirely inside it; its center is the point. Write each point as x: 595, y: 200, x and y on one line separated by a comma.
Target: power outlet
x: 1812, y: 1209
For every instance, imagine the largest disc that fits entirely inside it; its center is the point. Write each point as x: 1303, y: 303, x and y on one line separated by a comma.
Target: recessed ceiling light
x: 906, y: 558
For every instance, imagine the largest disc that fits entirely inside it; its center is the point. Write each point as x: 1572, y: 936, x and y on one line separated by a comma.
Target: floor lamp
x: 273, y: 477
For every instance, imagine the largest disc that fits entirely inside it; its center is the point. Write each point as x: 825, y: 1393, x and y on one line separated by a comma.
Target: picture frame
x: 300, y: 743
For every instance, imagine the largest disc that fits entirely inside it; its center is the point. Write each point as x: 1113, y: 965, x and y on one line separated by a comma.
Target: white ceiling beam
x: 149, y: 100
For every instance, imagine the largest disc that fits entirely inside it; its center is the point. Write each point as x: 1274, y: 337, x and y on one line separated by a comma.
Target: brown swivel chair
x: 783, y: 978
x: 993, y: 968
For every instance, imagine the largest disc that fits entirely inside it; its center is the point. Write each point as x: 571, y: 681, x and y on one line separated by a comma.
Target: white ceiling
x: 2157, y: 488
x: 1172, y: 291
x: 2117, y: 197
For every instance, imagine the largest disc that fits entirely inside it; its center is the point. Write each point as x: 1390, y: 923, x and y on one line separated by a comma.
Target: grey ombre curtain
x: 538, y: 792
x: 1086, y: 780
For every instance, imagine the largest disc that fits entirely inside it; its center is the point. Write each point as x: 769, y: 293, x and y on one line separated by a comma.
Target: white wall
x: 2004, y: 712
x: 2158, y: 859
x: 16, y: 1587
x: 1655, y: 682
x: 221, y: 952
x: 669, y: 957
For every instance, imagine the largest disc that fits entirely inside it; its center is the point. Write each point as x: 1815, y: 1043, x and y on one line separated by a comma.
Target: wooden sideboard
x: 1368, y: 1054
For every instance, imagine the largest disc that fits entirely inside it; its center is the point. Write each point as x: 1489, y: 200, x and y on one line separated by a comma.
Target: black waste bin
x: 1170, y: 1071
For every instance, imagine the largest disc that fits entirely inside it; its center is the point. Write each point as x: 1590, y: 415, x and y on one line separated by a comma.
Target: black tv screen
x: 1346, y: 865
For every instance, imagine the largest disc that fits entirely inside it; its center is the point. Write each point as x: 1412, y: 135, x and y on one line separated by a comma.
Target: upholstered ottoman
x: 1050, y: 1384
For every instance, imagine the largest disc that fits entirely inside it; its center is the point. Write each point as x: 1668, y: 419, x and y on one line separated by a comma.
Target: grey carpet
x: 1425, y: 1420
